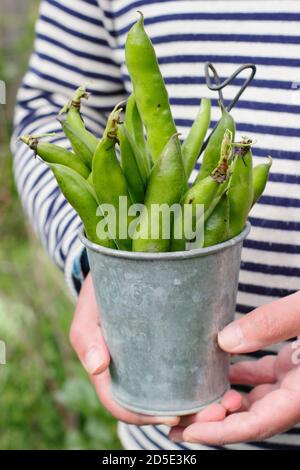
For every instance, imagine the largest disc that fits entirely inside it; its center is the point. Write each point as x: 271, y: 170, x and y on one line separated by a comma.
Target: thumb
x: 269, y: 324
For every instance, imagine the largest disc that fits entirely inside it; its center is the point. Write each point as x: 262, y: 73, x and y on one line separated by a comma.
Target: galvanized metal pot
x: 160, y: 315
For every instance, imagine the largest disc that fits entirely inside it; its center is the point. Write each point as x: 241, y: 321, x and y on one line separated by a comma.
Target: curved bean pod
x: 149, y: 89
x: 109, y: 180
x: 240, y: 189
x: 135, y: 128
x: 216, y: 228
x: 212, y: 152
x: 192, y: 145
x: 166, y: 186
x: 80, y: 195
x: 206, y: 192
x: 260, y: 179
x: 135, y: 182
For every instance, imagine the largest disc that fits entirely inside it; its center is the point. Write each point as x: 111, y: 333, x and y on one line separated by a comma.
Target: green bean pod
x: 166, y: 186
x: 149, y: 89
x: 83, y: 142
x: 260, y: 179
x: 220, y: 191
x: 129, y: 165
x: 212, y: 152
x: 216, y: 229
x: 192, y: 145
x: 109, y: 180
x: 51, y: 153
x: 134, y: 126
x: 204, y: 193
x: 90, y: 179
x: 240, y: 189
x: 80, y: 195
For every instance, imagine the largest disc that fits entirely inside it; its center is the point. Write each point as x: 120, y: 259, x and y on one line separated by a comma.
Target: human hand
x: 87, y: 340
x: 273, y: 405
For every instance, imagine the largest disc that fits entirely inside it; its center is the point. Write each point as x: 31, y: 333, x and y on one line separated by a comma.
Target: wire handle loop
x: 218, y: 85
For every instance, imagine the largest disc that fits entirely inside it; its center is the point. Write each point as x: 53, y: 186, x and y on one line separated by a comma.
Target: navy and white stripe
x: 80, y: 40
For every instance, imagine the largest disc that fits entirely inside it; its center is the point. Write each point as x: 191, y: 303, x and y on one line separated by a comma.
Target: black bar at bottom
x: 136, y: 459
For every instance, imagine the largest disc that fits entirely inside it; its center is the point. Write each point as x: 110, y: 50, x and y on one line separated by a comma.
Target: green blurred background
x: 46, y: 400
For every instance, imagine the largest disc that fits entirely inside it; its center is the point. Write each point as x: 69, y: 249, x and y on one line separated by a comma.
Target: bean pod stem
x: 51, y: 153
x: 83, y: 142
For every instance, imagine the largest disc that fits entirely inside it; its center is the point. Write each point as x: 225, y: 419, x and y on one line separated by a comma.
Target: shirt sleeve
x: 74, y: 45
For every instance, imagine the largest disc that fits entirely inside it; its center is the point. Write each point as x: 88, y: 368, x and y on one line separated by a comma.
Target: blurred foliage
x: 46, y: 400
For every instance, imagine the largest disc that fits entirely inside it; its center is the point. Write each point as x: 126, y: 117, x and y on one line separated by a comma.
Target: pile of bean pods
x: 141, y: 157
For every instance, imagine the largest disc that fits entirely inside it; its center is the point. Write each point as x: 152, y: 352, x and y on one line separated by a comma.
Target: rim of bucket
x: 137, y: 255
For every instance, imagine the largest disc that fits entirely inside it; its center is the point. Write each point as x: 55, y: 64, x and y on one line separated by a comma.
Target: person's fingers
x: 187, y: 420
x: 245, y: 402
x: 274, y: 413
x: 232, y: 401
x: 213, y: 412
x: 253, y: 372
x: 85, y: 333
x: 287, y: 359
x: 235, y: 428
x: 269, y: 324
x: 259, y: 392
x: 102, y: 385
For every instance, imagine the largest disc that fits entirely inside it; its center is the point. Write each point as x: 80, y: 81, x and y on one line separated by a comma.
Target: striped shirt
x: 80, y: 40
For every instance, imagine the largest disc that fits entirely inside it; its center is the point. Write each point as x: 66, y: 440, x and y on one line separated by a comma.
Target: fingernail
x: 93, y: 361
x: 231, y: 337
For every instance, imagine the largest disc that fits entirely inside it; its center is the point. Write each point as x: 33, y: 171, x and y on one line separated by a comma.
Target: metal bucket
x: 160, y: 315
